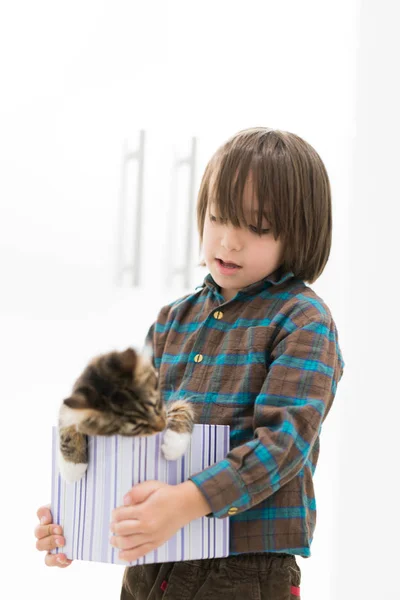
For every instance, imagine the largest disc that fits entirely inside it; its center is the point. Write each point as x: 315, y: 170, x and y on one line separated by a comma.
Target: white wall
x: 367, y: 527
x: 79, y: 78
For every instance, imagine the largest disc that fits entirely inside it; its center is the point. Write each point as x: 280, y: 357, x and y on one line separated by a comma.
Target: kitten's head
x: 117, y: 393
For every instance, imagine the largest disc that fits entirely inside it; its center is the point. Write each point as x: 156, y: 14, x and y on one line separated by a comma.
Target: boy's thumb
x: 140, y: 492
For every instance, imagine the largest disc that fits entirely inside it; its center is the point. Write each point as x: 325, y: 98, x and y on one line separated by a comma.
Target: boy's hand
x: 155, y: 512
x: 49, y: 536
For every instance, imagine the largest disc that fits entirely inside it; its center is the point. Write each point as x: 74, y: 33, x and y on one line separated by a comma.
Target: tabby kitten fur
x: 118, y: 394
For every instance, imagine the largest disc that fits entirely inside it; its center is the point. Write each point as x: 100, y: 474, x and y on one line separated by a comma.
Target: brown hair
x: 291, y: 184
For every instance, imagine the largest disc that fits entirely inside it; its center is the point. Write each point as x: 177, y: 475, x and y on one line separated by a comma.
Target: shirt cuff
x: 223, y: 489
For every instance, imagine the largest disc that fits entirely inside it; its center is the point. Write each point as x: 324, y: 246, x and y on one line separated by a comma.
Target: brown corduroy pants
x: 261, y: 576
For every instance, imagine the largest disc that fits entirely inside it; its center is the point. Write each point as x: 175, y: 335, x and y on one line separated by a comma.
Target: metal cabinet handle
x: 133, y: 266
x: 184, y: 269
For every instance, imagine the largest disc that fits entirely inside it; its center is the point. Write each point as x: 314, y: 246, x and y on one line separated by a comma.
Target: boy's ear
x: 78, y: 401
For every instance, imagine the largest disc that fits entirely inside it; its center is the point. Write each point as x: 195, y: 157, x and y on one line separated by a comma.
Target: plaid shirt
x: 267, y: 364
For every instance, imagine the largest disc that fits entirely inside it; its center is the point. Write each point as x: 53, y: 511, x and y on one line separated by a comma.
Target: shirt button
x: 232, y: 510
x: 198, y: 358
x: 218, y: 314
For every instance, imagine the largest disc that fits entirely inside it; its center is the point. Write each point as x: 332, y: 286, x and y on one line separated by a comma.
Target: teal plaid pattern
x: 266, y: 363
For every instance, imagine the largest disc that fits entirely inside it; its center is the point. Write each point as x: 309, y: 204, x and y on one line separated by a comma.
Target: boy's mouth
x: 228, y: 265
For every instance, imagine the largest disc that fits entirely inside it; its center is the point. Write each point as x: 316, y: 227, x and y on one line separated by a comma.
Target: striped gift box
x: 117, y: 463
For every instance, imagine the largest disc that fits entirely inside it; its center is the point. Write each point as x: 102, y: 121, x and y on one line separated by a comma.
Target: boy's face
x: 257, y: 256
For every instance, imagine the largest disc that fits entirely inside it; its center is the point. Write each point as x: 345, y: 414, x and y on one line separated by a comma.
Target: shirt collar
x: 275, y: 278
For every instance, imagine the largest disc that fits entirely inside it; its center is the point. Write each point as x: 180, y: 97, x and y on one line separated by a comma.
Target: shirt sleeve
x: 297, y: 393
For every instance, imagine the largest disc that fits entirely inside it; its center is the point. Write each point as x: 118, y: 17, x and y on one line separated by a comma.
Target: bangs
x: 254, y: 186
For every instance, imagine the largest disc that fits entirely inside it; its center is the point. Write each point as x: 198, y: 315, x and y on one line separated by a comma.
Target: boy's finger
x: 57, y: 560
x: 42, y: 531
x: 125, y: 513
x: 44, y: 515
x: 50, y: 543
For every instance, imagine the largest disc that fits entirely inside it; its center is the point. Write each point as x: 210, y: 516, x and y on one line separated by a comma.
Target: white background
x: 79, y: 78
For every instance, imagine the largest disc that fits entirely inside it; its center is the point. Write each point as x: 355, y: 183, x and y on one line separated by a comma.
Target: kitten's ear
x: 128, y: 360
x: 78, y: 401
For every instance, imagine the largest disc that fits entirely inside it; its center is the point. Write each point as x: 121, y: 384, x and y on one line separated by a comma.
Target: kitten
x: 118, y: 394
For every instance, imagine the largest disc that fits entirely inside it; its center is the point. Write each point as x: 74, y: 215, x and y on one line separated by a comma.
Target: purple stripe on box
x: 172, y: 470
x: 202, y: 468
x: 58, y: 501
x: 145, y: 476
x: 94, y: 446
x: 52, y: 506
x: 76, y: 485
x: 214, y: 460
x: 107, y: 494
x: 157, y: 460
x: 84, y: 514
x: 115, y: 489
x: 140, y: 480
x: 55, y: 511
x: 182, y: 530
x: 73, y: 522
x: 225, y: 525
x: 209, y: 462
x: 157, y: 456
x: 133, y: 462
x: 79, y: 516
x: 145, y: 464
x: 140, y: 459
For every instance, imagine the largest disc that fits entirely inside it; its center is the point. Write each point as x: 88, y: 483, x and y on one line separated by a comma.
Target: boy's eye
x: 214, y: 219
x: 253, y: 228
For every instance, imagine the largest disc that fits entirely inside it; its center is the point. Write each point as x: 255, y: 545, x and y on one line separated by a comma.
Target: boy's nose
x: 231, y: 239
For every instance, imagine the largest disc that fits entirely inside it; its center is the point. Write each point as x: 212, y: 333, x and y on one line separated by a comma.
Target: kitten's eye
x: 118, y: 397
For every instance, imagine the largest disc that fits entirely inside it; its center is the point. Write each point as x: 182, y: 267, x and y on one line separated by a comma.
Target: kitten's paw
x: 71, y: 471
x: 175, y: 444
